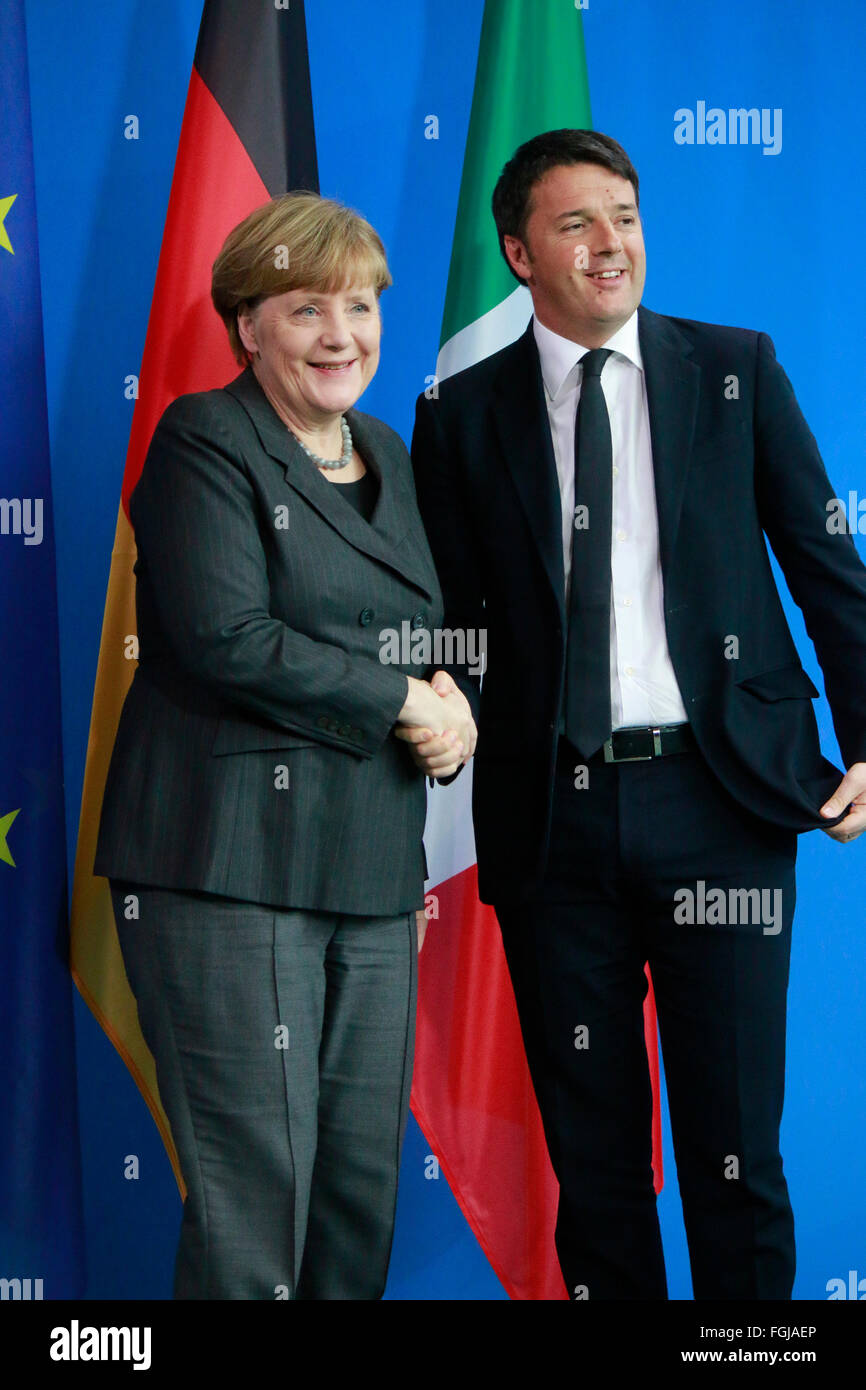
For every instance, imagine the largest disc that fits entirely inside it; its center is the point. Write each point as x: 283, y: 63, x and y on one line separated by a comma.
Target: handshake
x: 437, y: 723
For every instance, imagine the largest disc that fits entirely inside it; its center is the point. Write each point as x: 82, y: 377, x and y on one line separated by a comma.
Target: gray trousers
x: 283, y: 1043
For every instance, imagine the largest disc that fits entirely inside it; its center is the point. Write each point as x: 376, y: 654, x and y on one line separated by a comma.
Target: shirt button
x: 626, y: 603
x: 615, y: 471
x: 366, y: 616
x: 629, y: 670
x: 621, y: 535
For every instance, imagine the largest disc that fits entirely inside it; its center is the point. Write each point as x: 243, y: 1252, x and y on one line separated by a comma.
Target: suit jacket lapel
x: 392, y: 518
x: 519, y: 416
x: 672, y: 385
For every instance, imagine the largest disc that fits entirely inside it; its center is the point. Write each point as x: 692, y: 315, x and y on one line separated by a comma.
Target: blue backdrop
x: 733, y: 235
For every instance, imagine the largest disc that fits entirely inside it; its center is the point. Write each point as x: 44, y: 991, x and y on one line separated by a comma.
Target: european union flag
x: 41, y: 1253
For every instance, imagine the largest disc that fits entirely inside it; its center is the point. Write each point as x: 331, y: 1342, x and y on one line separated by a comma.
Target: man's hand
x: 851, y: 791
x: 437, y: 723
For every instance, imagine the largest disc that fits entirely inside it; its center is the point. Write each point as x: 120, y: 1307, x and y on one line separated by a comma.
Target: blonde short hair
x: 296, y: 241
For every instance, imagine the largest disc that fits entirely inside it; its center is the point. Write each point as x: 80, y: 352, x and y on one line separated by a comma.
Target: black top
x: 362, y: 494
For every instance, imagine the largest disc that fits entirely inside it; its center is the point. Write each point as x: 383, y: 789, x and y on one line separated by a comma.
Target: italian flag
x: 472, y: 1094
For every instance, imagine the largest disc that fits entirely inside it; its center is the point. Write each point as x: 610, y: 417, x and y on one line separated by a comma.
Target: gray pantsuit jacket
x: 254, y: 756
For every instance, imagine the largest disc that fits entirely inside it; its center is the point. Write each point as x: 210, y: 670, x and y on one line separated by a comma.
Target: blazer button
x: 418, y: 620
x: 333, y: 726
x: 345, y: 731
x: 366, y: 616
x: 323, y: 722
x: 358, y: 735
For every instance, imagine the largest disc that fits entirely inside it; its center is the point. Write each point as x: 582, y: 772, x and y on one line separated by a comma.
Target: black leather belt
x: 639, y: 744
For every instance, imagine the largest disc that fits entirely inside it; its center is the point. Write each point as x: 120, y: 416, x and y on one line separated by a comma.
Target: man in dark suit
x: 596, y: 497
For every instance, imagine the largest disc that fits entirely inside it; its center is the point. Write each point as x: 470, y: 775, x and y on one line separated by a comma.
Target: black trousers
x: 283, y: 1043
x: 652, y: 862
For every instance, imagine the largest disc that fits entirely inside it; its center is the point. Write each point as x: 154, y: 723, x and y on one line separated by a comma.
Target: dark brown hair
x: 512, y: 196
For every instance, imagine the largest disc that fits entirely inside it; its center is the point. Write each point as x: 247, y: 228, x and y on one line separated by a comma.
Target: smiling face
x: 583, y: 257
x: 313, y: 352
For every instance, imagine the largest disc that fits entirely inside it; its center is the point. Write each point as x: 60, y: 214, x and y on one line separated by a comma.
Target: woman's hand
x: 436, y: 721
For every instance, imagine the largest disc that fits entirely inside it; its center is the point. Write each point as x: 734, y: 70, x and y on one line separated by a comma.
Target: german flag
x: 247, y: 135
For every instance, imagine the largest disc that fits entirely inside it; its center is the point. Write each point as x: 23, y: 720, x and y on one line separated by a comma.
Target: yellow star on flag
x: 5, y: 205
x: 5, y: 823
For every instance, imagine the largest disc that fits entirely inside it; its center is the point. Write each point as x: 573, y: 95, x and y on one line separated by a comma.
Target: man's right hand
x: 437, y: 723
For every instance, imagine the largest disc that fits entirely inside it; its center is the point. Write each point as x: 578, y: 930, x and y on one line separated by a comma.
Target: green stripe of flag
x: 531, y: 76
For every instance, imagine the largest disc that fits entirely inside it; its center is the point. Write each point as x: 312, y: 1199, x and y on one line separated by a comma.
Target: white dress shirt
x: 643, y: 687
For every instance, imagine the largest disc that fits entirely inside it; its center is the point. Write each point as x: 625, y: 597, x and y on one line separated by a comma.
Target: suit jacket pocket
x: 242, y: 736
x: 783, y: 683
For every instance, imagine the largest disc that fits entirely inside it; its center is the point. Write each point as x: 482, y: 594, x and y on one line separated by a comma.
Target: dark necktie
x: 587, y: 679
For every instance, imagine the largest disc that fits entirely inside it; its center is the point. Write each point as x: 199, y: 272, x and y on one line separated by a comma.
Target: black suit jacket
x: 731, y: 465
x: 255, y: 756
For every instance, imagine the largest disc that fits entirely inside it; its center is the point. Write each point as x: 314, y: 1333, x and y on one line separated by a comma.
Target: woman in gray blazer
x: 262, y: 821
